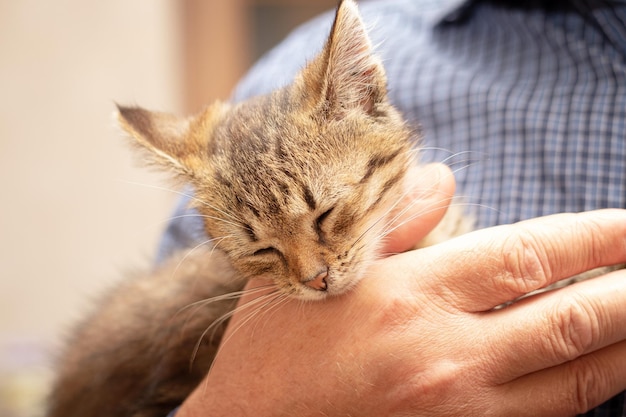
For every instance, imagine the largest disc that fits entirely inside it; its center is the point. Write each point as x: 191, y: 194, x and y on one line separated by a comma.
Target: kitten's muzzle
x: 318, y: 281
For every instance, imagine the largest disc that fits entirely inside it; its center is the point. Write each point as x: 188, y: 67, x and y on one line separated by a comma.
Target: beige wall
x: 70, y: 216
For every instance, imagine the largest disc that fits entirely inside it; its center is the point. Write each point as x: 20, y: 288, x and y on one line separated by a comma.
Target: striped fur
x: 265, y: 170
x: 294, y: 185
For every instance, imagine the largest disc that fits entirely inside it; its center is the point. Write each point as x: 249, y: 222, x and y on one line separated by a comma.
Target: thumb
x: 429, y: 192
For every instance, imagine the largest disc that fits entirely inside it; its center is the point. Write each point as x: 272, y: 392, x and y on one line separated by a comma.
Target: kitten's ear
x: 176, y: 142
x: 347, y: 75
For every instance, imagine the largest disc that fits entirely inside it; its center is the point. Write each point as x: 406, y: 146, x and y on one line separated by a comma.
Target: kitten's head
x: 296, y: 185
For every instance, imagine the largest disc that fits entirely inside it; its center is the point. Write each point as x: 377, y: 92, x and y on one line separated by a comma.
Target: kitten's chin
x: 312, y: 295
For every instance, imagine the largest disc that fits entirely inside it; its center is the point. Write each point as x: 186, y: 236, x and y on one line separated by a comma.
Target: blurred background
x: 78, y: 209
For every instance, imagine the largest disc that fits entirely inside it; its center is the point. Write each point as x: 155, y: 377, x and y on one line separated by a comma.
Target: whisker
x: 280, y: 299
x: 225, y: 297
x: 466, y: 166
x: 380, y: 218
x: 220, y: 320
x: 198, y: 215
x: 259, y: 305
x: 451, y: 154
x: 388, y: 230
x: 417, y: 199
x: 265, y: 301
x: 191, y: 196
x: 195, y: 248
x: 409, y: 206
x: 457, y: 154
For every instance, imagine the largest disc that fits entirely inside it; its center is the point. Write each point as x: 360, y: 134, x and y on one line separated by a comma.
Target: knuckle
x: 587, y: 382
x: 597, y: 248
x: 573, y: 330
x: 526, y: 265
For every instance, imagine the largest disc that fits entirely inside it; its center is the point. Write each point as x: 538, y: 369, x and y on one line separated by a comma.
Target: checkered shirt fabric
x: 526, y: 102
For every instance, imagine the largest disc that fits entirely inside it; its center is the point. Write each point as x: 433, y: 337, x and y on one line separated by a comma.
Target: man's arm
x: 419, y: 336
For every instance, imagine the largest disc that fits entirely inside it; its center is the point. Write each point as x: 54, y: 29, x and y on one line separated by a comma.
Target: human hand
x: 418, y: 336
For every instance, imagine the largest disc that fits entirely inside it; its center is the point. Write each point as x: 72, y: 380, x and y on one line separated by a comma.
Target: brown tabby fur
x: 296, y: 185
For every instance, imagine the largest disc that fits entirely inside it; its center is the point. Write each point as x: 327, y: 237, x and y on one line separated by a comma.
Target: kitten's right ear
x: 347, y: 75
x: 176, y: 142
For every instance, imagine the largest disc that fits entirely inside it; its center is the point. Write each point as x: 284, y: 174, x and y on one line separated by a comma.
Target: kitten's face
x: 301, y: 199
x: 296, y: 185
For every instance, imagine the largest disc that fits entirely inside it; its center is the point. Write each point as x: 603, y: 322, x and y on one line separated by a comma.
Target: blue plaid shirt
x: 527, y: 102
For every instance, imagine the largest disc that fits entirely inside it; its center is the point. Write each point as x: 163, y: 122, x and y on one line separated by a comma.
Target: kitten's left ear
x: 172, y: 141
x: 347, y: 75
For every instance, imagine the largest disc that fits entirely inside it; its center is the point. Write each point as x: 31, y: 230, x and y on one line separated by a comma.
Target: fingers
x: 572, y: 388
x: 558, y: 327
x: 486, y: 268
x: 431, y: 190
x: 565, y: 349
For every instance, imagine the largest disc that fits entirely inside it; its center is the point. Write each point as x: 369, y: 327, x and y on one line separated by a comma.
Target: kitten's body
x: 134, y: 356
x: 297, y: 186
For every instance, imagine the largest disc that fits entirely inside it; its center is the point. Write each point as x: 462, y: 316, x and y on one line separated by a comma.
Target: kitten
x: 296, y: 185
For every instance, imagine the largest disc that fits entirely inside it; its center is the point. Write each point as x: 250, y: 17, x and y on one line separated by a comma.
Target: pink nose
x: 318, y: 282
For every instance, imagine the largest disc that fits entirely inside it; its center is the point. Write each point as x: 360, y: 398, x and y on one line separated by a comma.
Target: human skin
x: 419, y: 337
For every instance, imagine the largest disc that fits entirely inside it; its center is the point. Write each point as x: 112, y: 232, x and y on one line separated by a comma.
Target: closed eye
x: 319, y: 222
x: 320, y: 219
x: 267, y: 251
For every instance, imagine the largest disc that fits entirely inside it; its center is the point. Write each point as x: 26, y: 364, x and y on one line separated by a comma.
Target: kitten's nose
x: 318, y: 282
